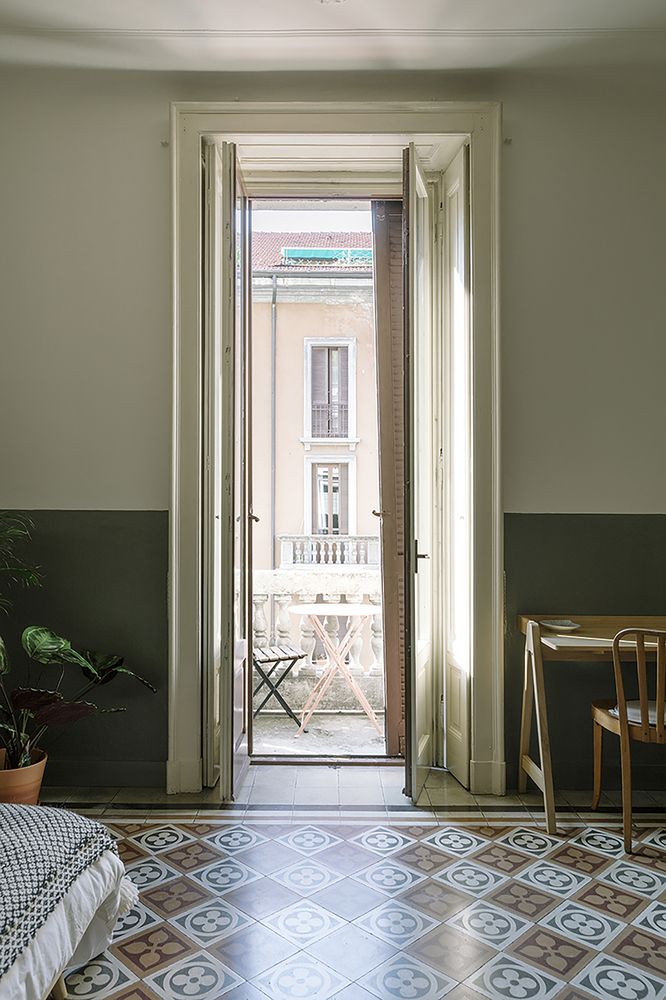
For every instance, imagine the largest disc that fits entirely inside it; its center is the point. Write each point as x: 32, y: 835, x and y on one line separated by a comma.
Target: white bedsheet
x: 79, y: 928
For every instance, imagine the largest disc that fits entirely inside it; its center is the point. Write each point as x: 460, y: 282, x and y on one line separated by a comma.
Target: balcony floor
x: 328, y: 735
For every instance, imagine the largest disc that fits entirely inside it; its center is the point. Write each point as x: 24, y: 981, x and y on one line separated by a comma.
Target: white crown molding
x: 234, y: 34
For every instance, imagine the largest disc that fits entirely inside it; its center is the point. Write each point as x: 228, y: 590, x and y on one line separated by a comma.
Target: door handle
x: 380, y: 513
x: 418, y: 555
x: 253, y: 517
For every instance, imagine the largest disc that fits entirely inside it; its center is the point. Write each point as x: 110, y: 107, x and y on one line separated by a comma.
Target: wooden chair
x: 641, y: 719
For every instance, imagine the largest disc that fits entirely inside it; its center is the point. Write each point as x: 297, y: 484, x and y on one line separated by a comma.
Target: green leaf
x: 108, y: 665
x: 44, y: 646
x: 4, y: 658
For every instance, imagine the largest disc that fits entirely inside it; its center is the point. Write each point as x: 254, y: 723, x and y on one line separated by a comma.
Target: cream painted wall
x: 85, y: 377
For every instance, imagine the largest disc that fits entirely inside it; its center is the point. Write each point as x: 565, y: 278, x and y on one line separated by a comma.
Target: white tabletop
x: 346, y: 610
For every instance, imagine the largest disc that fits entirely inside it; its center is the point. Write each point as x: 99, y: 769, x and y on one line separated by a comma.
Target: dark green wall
x: 105, y: 587
x: 590, y: 564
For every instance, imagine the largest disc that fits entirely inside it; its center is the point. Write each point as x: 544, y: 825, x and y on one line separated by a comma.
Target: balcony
x: 332, y: 552
x: 330, y: 420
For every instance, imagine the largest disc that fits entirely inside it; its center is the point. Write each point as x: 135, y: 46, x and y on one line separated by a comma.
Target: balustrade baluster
x: 259, y: 621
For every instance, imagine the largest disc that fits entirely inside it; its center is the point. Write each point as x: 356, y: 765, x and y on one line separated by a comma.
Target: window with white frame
x: 330, y: 498
x: 330, y: 370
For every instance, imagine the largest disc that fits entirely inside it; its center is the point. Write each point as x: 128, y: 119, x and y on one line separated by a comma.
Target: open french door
x: 456, y: 378
x: 226, y: 486
x: 419, y: 464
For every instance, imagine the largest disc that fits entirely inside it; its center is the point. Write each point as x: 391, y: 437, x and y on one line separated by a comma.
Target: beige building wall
x: 296, y: 320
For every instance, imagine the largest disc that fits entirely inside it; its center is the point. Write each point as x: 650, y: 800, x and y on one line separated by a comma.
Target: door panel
x: 236, y: 544
x: 419, y: 470
x: 457, y: 379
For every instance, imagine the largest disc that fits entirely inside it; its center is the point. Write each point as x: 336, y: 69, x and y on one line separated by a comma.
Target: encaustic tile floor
x: 379, y: 899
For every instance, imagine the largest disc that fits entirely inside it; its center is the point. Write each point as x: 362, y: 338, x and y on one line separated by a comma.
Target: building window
x: 330, y: 498
x: 329, y: 389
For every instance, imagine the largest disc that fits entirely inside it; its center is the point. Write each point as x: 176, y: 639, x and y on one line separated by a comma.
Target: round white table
x: 358, y: 615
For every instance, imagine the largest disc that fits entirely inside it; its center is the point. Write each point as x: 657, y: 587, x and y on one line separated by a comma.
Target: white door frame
x: 190, y: 122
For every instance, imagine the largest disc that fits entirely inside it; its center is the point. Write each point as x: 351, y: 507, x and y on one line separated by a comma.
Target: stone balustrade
x: 338, y: 552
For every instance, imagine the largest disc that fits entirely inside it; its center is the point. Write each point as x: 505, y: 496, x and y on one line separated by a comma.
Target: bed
x: 62, y: 889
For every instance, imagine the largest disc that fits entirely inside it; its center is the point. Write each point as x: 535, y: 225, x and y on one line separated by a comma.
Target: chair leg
x: 625, y: 760
x: 597, y: 735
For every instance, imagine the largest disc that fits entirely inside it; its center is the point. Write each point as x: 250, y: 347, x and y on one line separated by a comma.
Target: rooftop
x: 298, y: 252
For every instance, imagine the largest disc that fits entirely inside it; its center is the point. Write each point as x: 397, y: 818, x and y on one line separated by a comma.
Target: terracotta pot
x: 22, y: 784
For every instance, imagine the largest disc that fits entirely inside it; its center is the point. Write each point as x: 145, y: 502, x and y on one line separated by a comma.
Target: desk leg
x: 534, y: 691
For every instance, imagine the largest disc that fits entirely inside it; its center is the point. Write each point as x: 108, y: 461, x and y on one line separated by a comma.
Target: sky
x: 304, y: 220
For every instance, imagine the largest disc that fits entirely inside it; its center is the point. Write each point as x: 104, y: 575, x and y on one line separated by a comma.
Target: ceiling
x: 230, y: 35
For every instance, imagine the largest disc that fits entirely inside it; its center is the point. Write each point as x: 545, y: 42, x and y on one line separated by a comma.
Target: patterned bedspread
x: 42, y: 853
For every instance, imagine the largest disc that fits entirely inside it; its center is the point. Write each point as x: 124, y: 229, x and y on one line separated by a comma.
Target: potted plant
x: 26, y: 713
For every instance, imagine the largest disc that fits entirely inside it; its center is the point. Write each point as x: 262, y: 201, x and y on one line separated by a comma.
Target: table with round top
x: 359, y: 615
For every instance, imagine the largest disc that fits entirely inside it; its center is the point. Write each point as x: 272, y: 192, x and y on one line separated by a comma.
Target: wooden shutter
x: 389, y: 339
x: 319, y: 374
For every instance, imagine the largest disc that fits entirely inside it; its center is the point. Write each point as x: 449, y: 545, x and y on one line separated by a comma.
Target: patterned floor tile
x: 405, y: 977
x: 604, y: 842
x: 226, y: 874
x: 436, y: 899
x: 354, y: 992
x: 507, y: 978
x: 532, y: 842
x: 137, y: 991
x: 138, y: 918
x: 346, y: 858
x: 396, y: 923
x: 381, y: 840
x: 464, y: 992
x: 613, y: 980
x: 199, y: 977
x: 149, y: 872
x: 188, y: 857
x: 525, y: 900
x: 455, y: 841
x: 98, y: 978
x: 649, y: 857
x: 389, y: 877
x: 162, y: 838
x: 211, y: 921
x: 306, y: 877
x: 175, y: 897
x: 348, y: 899
x: 612, y: 900
x: 300, y: 977
x: 553, y: 878
x: 261, y: 897
x: 640, y: 948
x: 246, y: 991
x: 657, y: 838
x: 642, y: 881
x: 551, y: 952
x: 233, y: 839
x: 309, y: 840
x: 455, y: 954
x: 489, y: 924
x: 351, y: 951
x: 152, y: 949
x: 572, y: 993
x: 584, y: 925
x: 129, y: 852
x: 423, y: 857
x: 470, y: 877
x: 653, y: 919
x: 304, y: 922
x: 252, y: 950
x: 579, y: 858
x: 502, y: 859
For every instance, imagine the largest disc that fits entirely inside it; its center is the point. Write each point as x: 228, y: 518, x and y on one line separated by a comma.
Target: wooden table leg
x: 534, y: 690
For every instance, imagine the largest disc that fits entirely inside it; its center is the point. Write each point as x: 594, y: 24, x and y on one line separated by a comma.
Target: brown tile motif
x: 189, y: 857
x: 438, y: 901
x: 582, y: 860
x: 136, y: 992
x: 153, y: 949
x: 551, y: 953
x: 568, y: 993
x: 525, y: 900
x: 650, y: 857
x: 455, y: 954
x: 130, y: 852
x: 488, y: 833
x: 612, y: 900
x: 502, y: 859
x: 174, y: 897
x: 642, y: 949
x: 423, y: 858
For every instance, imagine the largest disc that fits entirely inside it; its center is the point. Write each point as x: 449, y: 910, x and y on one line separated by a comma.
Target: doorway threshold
x: 339, y: 761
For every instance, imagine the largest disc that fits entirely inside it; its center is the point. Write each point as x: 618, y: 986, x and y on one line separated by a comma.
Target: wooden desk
x: 592, y: 642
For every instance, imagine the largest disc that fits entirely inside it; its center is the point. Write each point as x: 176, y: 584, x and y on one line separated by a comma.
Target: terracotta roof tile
x: 267, y: 250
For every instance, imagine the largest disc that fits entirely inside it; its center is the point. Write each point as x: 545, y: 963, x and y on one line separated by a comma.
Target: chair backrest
x: 638, y: 636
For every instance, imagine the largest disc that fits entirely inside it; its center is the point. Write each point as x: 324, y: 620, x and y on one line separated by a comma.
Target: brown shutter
x: 388, y: 257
